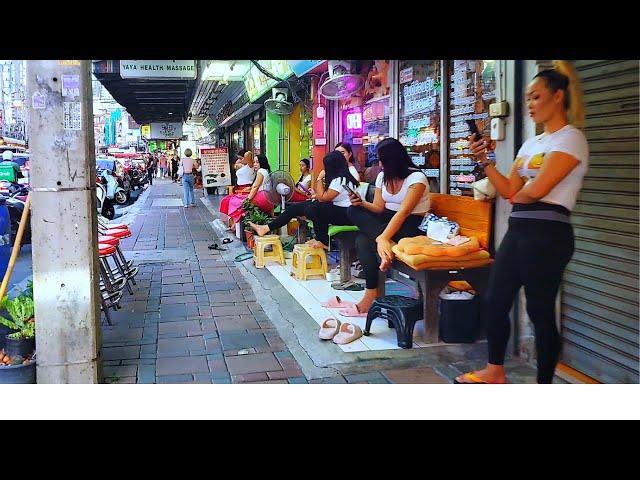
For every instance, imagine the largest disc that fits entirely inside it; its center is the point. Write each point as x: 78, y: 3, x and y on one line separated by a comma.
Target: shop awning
x: 146, y: 99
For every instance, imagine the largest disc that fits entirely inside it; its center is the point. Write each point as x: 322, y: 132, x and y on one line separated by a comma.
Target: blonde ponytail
x: 575, y: 110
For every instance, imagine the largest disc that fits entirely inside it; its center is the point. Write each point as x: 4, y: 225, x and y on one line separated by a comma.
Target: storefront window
x: 365, y: 116
x: 473, y: 89
x: 420, y: 90
x: 256, y: 139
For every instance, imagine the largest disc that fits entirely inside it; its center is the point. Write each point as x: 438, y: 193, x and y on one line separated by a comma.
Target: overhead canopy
x: 146, y: 99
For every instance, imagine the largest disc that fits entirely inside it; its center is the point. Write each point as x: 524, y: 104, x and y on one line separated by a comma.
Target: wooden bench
x: 476, y: 220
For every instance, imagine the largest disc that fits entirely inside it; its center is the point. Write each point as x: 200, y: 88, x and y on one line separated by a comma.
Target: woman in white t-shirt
x: 399, y: 206
x: 257, y: 195
x: 302, y: 192
x: 543, y: 187
x: 345, y: 149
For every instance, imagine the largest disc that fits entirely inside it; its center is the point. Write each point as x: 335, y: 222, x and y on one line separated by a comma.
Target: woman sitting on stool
x: 330, y: 205
x: 399, y: 206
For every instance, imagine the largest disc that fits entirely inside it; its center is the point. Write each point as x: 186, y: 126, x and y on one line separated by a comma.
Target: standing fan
x: 341, y: 82
x: 279, y: 189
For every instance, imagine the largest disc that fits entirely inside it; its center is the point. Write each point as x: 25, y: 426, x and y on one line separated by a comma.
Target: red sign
x: 216, y: 171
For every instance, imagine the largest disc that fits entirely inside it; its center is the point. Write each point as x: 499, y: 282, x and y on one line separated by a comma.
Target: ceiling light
x: 227, y: 70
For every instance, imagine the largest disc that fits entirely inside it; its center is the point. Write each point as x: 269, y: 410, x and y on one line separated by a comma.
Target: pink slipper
x: 352, y: 312
x: 337, y: 302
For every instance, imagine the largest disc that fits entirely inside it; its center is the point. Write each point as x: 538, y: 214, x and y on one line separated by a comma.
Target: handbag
x: 180, y: 170
x: 483, y: 190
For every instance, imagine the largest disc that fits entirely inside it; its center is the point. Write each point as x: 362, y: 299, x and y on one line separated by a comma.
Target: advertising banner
x: 158, y: 69
x: 166, y: 130
x: 216, y: 171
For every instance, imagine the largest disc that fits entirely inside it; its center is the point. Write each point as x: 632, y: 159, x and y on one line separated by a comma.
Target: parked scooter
x: 15, y: 195
x: 104, y: 205
x: 113, y: 189
x: 138, y: 176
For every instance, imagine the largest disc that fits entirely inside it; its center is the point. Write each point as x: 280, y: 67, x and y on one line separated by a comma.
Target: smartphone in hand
x: 474, y: 129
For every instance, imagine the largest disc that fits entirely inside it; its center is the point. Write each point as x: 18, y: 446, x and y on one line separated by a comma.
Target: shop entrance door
x: 600, y: 288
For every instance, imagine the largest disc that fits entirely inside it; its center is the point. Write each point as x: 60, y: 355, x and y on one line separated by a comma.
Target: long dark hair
x: 264, y: 163
x: 336, y: 167
x: 347, y: 147
x: 308, y: 164
x: 395, y: 160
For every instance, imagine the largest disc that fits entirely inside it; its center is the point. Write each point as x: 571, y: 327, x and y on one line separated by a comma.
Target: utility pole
x: 64, y: 221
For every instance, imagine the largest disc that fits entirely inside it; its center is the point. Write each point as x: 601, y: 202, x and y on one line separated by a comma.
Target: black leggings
x: 298, y: 209
x: 371, y: 225
x: 324, y: 214
x: 533, y: 254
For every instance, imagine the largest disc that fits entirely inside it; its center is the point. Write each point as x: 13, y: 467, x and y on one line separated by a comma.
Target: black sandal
x: 215, y: 246
x: 227, y: 240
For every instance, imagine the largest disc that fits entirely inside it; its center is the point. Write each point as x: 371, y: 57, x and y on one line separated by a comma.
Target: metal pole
x: 64, y: 221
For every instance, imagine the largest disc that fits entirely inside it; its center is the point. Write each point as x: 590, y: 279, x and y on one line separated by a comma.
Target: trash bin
x: 459, y: 316
x: 5, y: 237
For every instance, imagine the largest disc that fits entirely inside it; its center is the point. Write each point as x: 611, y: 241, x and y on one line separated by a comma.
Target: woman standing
x: 543, y: 187
x: 400, y: 204
x: 187, y: 179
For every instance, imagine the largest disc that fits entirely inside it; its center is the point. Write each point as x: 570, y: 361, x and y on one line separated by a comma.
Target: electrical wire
x: 294, y: 95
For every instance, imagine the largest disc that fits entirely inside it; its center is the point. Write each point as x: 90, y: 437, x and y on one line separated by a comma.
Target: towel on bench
x: 422, y: 252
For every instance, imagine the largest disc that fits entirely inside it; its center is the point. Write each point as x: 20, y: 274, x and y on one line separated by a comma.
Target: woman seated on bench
x: 331, y: 203
x: 256, y: 194
x: 231, y: 205
x: 400, y: 204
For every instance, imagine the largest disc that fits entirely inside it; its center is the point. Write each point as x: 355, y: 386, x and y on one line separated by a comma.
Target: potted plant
x: 255, y: 215
x: 17, y: 364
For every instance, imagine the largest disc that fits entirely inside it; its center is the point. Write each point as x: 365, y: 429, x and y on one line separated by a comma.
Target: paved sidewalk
x: 194, y: 316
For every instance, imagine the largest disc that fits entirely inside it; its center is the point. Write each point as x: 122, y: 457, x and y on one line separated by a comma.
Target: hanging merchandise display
x: 473, y: 89
x: 419, y: 97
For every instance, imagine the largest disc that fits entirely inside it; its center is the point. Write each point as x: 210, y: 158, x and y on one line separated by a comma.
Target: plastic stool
x: 400, y: 312
x: 260, y: 257
x: 301, y: 268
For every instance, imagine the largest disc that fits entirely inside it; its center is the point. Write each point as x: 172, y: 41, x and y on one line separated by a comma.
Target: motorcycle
x: 104, y: 205
x: 16, y: 197
x: 113, y: 189
x: 138, y: 176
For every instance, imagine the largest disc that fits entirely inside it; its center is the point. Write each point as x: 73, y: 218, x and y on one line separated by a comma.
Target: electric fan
x: 341, y: 82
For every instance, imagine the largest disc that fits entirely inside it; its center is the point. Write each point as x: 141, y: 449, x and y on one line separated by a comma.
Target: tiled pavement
x: 193, y: 317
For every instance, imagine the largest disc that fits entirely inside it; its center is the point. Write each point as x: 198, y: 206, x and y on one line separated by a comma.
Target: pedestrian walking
x: 174, y: 168
x: 163, y: 166
x: 187, y: 179
x: 151, y: 168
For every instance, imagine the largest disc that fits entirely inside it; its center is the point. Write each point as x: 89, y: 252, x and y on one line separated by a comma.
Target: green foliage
x: 29, y: 290
x: 21, y: 309
x: 254, y: 214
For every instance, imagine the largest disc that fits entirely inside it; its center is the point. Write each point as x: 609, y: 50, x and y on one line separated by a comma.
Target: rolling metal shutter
x: 600, y: 290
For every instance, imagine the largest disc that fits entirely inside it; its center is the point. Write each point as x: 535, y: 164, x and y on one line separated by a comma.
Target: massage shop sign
x: 216, y: 171
x: 158, y: 69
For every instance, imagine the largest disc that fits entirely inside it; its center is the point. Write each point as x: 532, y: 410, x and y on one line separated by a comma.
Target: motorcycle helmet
x: 7, y: 156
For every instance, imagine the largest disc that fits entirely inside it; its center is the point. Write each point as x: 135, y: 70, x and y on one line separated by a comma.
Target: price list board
x: 216, y: 171
x: 472, y: 90
x: 419, y: 99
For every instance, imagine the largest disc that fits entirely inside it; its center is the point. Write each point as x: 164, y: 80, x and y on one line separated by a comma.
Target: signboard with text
x: 166, y: 130
x: 257, y: 83
x: 216, y: 171
x: 158, y: 69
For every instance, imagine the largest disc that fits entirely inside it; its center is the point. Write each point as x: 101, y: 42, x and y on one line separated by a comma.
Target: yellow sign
x: 145, y: 131
x: 71, y: 63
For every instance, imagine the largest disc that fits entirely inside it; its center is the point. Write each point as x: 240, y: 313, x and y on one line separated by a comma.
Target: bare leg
x: 261, y: 230
x: 370, y: 295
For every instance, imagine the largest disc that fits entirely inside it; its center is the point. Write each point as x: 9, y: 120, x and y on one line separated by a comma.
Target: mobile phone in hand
x: 474, y: 129
x: 350, y: 190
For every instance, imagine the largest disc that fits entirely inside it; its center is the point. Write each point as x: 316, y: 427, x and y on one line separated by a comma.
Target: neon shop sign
x: 353, y: 120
